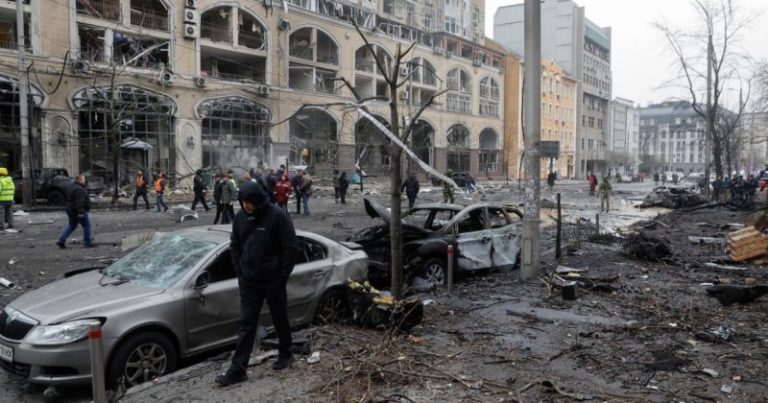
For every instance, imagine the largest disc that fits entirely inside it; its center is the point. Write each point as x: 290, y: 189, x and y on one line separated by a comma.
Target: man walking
x: 218, y: 186
x: 141, y: 189
x: 198, y: 186
x: 336, y: 186
x: 344, y: 185
x: 228, y: 194
x: 160, y: 184
x: 592, y: 179
x: 263, y: 246
x: 78, y: 212
x: 7, y: 192
x: 306, y: 190
x: 296, y: 184
x: 411, y: 188
x: 604, y: 191
x: 448, y: 188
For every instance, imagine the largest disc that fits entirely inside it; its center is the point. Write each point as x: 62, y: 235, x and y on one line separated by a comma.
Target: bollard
x: 578, y: 233
x: 97, y: 363
x: 597, y: 225
x: 559, y: 229
x: 450, y: 268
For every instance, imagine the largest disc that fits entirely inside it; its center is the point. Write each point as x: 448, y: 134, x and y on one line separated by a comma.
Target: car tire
x: 56, y: 198
x: 333, y: 307
x: 434, y: 270
x: 152, y: 354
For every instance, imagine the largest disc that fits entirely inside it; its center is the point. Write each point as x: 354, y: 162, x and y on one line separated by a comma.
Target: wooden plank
x: 747, y: 255
x: 747, y: 243
x: 741, y: 234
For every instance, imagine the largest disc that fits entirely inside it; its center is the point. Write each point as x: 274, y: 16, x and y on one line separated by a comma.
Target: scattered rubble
x: 647, y: 247
x: 6, y: 283
x: 731, y: 294
x: 378, y: 309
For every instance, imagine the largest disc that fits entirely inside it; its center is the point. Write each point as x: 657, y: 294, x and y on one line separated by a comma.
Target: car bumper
x: 50, y: 365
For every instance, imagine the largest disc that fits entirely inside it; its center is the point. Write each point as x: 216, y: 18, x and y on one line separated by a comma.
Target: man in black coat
x: 78, y: 212
x: 198, y: 187
x: 296, y: 184
x: 263, y: 245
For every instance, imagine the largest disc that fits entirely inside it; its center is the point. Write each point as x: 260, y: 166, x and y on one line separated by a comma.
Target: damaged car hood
x: 374, y: 209
x: 79, y: 295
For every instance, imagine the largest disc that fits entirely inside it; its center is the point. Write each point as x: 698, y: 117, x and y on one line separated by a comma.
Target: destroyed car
x: 173, y: 297
x: 672, y: 197
x: 484, y: 236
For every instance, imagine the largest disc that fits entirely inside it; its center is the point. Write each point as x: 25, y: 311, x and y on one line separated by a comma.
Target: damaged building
x: 177, y: 85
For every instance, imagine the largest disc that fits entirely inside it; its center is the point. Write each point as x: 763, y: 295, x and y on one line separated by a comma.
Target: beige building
x: 221, y: 84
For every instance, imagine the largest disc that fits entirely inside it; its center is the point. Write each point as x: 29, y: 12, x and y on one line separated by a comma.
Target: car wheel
x: 56, y: 198
x: 332, y: 308
x: 434, y: 271
x: 141, y: 358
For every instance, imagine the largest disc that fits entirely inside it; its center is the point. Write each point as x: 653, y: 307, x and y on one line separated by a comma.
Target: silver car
x: 173, y: 297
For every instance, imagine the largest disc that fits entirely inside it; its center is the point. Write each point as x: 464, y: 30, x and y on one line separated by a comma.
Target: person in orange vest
x: 160, y: 184
x: 141, y: 189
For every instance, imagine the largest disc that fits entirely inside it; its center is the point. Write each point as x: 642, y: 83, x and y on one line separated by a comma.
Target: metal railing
x: 459, y: 103
x: 149, y: 19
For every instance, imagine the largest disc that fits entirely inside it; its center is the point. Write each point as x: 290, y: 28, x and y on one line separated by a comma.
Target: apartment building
x: 625, y: 130
x: 177, y: 85
x: 674, y: 134
x: 583, y: 50
x: 754, y: 135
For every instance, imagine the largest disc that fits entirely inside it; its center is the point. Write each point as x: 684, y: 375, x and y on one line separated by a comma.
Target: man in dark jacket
x: 263, y: 245
x: 198, y: 187
x: 296, y: 184
x: 411, y: 187
x: 78, y: 212
x: 218, y: 186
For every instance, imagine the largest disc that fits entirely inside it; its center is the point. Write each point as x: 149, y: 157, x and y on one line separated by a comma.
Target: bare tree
x: 716, y: 42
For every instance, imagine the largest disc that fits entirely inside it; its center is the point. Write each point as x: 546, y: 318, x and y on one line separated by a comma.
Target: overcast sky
x: 641, y: 60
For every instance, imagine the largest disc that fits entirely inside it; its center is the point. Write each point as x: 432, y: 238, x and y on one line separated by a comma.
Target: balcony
x: 104, y: 9
x: 149, y: 19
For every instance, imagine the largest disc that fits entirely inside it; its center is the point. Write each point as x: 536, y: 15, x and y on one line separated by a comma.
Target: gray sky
x: 641, y: 60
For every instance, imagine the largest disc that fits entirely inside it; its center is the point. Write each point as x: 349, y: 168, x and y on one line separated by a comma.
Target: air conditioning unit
x: 283, y: 25
x: 166, y: 77
x: 191, y: 17
x: 262, y: 90
x: 191, y: 31
x: 438, y: 50
x: 405, y: 95
x: 448, y: 55
x: 404, y: 71
x: 477, y: 62
x: 81, y: 66
x: 201, y: 81
x: 190, y: 3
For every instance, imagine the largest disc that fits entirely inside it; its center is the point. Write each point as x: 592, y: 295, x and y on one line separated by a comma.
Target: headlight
x: 64, y: 333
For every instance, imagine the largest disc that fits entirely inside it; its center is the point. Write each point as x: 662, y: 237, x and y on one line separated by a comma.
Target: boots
x: 283, y: 362
x: 232, y: 376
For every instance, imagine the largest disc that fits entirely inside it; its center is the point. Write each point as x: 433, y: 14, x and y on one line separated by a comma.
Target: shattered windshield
x: 160, y: 262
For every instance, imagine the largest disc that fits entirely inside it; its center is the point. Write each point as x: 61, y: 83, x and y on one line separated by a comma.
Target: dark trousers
x: 228, y: 213
x: 219, y: 212
x: 251, y: 300
x: 200, y: 197
x: 337, y: 194
x: 298, y: 201
x: 343, y: 195
x: 143, y: 193
x: 411, y: 199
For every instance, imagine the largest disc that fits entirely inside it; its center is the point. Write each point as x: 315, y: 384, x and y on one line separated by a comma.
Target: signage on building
x: 549, y: 149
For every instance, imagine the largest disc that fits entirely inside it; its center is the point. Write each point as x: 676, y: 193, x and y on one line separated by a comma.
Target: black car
x: 484, y: 236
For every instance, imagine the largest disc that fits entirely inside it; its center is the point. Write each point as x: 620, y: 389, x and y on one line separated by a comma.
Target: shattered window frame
x: 458, y: 140
x: 232, y: 130
x: 422, y: 141
x: 129, y: 49
x: 369, y: 81
x: 149, y: 15
x: 459, y: 95
x: 151, y: 120
x: 10, y: 121
x: 313, y: 68
x: 314, y: 141
x: 489, y: 150
x: 372, y: 146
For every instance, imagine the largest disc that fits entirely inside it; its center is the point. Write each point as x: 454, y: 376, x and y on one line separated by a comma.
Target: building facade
x: 674, y: 135
x: 754, y: 132
x: 583, y: 50
x: 177, y: 85
x: 624, y: 134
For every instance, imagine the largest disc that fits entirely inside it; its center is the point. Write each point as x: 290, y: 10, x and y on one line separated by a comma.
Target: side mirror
x: 203, y: 280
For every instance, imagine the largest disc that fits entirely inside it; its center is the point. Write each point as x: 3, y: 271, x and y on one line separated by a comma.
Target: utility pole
x: 529, y: 262
x: 710, y: 120
x: 26, y: 171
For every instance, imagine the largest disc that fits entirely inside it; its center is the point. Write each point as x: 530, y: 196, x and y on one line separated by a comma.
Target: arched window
x: 234, y: 131
x: 458, y: 148
x: 369, y: 81
x: 313, y: 61
x: 459, y: 94
x: 244, y: 54
x: 489, y: 97
x: 422, y: 143
x: 372, y: 146
x: 422, y: 80
x: 489, y: 150
x: 144, y: 130
x: 314, y: 141
x: 10, y: 122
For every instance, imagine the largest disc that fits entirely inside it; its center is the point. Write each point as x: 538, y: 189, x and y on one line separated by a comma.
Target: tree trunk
x: 395, y: 226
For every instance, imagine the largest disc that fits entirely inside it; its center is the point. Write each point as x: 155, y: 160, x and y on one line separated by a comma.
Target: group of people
x: 735, y: 188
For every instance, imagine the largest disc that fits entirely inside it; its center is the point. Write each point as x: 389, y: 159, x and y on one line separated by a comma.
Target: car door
x: 213, y: 312
x: 308, y: 280
x: 505, y: 244
x: 473, y: 240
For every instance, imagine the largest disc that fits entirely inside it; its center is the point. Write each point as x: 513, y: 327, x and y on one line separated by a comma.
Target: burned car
x: 173, y: 297
x: 484, y: 236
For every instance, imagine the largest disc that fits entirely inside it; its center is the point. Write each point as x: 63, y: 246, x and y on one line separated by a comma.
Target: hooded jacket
x: 263, y: 244
x: 78, y: 201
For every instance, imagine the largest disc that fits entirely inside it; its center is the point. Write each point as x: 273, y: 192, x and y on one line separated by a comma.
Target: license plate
x: 6, y: 353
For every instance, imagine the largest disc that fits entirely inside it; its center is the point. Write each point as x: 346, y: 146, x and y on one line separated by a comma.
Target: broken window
x: 369, y: 81
x: 8, y: 32
x: 235, y: 132
x: 489, y: 150
x: 150, y: 14
x: 141, y: 117
x: 100, y: 45
x: 372, y: 147
x: 314, y: 141
x: 347, y: 12
x: 314, y: 61
x: 233, y: 64
x: 424, y: 72
x: 216, y: 25
x: 489, y: 97
x: 459, y: 96
x: 422, y: 143
x: 104, y: 9
x: 10, y: 129
x: 458, y: 148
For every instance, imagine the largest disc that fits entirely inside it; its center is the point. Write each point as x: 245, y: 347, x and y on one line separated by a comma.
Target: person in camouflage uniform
x: 448, y: 189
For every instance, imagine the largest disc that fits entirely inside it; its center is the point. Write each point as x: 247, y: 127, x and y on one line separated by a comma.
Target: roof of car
x: 456, y: 207
x: 220, y: 233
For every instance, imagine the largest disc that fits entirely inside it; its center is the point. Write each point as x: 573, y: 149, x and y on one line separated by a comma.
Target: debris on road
x: 718, y: 335
x: 747, y: 243
x: 183, y: 214
x: 261, y: 358
x: 20, y: 213
x: 6, y: 283
x: 314, y: 358
x: 647, y: 247
x: 377, y: 309
x: 731, y: 294
x: 672, y: 197
x: 13, y: 260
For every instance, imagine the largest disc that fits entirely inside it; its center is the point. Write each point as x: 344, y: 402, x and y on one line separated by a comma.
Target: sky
x: 641, y: 60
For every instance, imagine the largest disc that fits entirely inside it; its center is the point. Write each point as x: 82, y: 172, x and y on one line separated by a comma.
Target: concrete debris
x: 720, y: 334
x: 759, y: 220
x: 746, y: 244
x: 20, y: 213
x: 706, y: 240
x: 182, y: 214
x: 6, y: 283
x: 727, y: 389
x: 647, y: 247
x: 565, y: 270
x: 11, y: 231
x: 314, y: 358
x: 30, y: 222
x: 259, y: 359
x: 13, y: 260
x: 711, y: 372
